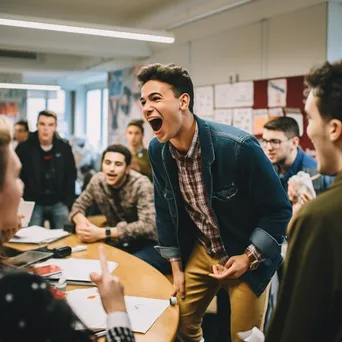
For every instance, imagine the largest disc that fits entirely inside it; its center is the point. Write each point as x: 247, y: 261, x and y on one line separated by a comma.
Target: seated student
x: 28, y: 309
x: 140, y: 158
x: 125, y: 198
x: 280, y: 140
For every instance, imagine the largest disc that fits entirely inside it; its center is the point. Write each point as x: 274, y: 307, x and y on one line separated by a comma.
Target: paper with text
x: 142, y: 312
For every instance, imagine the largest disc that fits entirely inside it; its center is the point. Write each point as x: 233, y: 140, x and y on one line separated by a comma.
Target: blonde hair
x: 5, y: 140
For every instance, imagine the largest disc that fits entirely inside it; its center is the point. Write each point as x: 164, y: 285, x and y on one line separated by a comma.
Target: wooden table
x: 138, y: 279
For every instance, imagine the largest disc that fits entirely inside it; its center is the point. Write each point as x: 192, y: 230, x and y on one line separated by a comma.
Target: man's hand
x: 88, y: 232
x: 235, y: 267
x: 178, y: 279
x: 109, y: 286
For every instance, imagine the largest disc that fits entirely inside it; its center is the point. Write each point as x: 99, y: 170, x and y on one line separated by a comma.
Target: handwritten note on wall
x: 243, y: 119
x: 239, y: 94
x: 204, y: 101
x: 224, y: 116
x: 276, y: 92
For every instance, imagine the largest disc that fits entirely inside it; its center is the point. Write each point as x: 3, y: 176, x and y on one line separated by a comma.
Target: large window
x: 97, y: 118
x: 34, y: 106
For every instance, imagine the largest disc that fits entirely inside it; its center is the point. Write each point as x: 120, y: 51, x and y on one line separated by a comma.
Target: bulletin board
x: 249, y: 105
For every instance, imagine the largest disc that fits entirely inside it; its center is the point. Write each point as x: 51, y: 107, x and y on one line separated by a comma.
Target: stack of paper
x: 38, y: 235
x: 76, y: 271
x: 142, y: 312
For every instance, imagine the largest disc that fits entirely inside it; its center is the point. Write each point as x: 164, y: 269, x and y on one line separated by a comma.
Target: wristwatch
x: 253, y: 262
x: 108, y: 232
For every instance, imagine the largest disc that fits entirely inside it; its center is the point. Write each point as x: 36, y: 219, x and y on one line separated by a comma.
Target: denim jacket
x: 306, y: 163
x: 245, y: 194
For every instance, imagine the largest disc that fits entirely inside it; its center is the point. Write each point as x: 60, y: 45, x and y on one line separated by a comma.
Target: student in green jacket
x: 310, y: 300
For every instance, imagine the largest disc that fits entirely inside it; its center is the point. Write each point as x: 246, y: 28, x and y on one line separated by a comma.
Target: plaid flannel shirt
x: 197, y: 204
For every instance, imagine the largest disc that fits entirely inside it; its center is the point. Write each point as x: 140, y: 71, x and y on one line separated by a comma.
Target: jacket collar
x: 206, y: 143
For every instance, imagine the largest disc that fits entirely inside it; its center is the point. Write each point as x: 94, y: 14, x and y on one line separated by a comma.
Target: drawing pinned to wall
x: 124, y: 104
x: 224, y: 116
x: 296, y: 114
x: 243, y: 119
x: 260, y: 117
x: 204, y: 101
x: 244, y: 94
x: 276, y: 92
x: 224, y: 95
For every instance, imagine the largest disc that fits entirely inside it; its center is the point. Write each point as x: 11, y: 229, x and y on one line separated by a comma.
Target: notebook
x: 38, y: 235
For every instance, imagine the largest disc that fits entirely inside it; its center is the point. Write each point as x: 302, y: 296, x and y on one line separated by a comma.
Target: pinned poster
x: 260, y: 117
x: 204, y: 101
x: 274, y: 113
x: 276, y: 92
x: 244, y: 94
x: 224, y: 116
x: 296, y: 114
x: 224, y: 95
x: 243, y: 119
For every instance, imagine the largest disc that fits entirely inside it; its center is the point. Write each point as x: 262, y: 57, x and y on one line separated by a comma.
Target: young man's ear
x: 335, y: 130
x: 295, y: 141
x: 184, y: 101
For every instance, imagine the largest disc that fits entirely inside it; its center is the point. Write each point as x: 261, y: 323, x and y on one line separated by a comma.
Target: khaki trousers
x: 247, y: 309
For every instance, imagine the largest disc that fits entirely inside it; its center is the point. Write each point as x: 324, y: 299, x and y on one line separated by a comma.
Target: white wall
x: 284, y: 45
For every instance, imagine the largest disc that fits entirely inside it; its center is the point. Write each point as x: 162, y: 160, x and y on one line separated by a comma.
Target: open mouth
x: 156, y: 124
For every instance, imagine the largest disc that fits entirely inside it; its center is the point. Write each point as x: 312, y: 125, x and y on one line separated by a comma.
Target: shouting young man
x: 221, y: 212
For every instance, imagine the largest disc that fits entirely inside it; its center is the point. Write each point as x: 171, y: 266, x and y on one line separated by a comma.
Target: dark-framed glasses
x: 275, y: 143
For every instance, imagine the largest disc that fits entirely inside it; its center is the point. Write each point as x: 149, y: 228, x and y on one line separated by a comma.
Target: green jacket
x: 310, y: 299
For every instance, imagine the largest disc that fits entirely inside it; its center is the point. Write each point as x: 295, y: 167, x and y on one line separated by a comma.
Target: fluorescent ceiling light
x: 29, y: 86
x: 149, y: 37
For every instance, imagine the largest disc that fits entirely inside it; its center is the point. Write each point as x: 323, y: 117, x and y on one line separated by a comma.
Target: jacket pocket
x: 226, y: 194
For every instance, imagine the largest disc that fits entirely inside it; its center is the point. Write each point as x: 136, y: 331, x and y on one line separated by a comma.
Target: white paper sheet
x: 224, y: 95
x: 243, y: 119
x: 38, y: 235
x: 79, y: 269
x: 25, y: 209
x: 142, y: 312
x: 204, y: 101
x: 244, y: 94
x: 224, y: 116
x: 276, y: 92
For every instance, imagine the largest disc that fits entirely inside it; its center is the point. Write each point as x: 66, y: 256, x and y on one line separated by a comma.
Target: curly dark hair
x: 119, y: 149
x: 174, y: 75
x: 326, y: 83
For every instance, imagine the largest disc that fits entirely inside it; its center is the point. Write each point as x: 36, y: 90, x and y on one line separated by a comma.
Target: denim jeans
x: 152, y: 257
x: 56, y: 214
